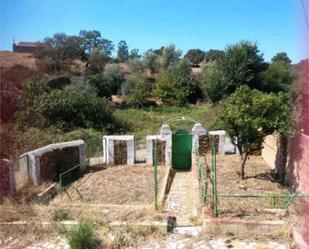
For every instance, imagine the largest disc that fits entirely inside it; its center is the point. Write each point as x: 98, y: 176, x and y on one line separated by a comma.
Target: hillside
x: 15, y: 68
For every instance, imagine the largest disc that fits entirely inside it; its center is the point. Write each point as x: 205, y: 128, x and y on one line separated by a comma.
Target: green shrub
x: 70, y: 109
x: 83, y: 237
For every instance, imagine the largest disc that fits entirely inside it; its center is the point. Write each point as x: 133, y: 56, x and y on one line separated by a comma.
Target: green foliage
x: 71, y: 109
x: 175, y: 86
x: 170, y: 55
x: 123, y: 51
x: 80, y: 83
x: 241, y: 65
x: 277, y: 77
x: 83, y: 237
x: 213, y: 55
x: 96, y: 61
x: 94, y: 40
x: 249, y: 115
x: 27, y: 116
x: 281, y: 58
x: 136, y: 91
x: 213, y: 85
x: 149, y: 120
x: 58, y: 52
x: 151, y: 61
x: 108, y: 82
x: 195, y: 56
x: 136, y: 65
x: 134, y: 53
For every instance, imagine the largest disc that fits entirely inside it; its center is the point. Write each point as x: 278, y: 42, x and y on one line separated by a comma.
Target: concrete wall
x: 270, y: 150
x: 47, y: 162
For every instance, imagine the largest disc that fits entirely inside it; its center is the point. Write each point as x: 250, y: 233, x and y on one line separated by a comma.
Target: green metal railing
x: 277, y: 201
x: 61, y: 175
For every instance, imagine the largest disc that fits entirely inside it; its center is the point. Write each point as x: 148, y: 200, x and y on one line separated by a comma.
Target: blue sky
x: 273, y: 24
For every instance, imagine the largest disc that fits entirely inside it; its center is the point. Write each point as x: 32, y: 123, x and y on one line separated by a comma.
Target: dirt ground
x: 258, y: 181
x: 121, y: 185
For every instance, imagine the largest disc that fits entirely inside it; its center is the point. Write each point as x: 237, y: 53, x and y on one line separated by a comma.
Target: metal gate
x: 181, y: 150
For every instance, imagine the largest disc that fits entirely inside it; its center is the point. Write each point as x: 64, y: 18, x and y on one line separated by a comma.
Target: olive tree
x: 196, y: 56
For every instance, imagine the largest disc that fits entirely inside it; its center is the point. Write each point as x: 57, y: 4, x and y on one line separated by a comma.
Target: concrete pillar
x: 108, y: 150
x: 149, y: 149
x: 7, y: 177
x: 197, y: 131
x: 221, y: 145
x: 82, y: 157
x: 166, y: 135
x: 130, y: 151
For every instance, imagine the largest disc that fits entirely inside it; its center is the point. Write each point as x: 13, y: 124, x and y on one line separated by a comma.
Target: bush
x: 107, y: 83
x: 83, y: 237
x: 175, y: 86
x: 136, y: 91
x: 214, y: 89
x: 70, y: 109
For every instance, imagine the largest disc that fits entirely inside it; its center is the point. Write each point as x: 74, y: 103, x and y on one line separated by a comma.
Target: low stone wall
x: 48, y: 162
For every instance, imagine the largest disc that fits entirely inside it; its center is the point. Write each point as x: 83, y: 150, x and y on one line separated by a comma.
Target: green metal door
x: 181, y: 150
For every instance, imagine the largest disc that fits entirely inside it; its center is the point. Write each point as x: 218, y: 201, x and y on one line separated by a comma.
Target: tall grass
x: 83, y: 237
x: 149, y: 120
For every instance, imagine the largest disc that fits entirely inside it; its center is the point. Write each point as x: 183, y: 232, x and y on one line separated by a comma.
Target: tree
x: 96, y: 61
x: 123, y: 51
x: 195, y: 56
x: 277, y: 77
x: 213, y: 55
x: 136, y: 65
x: 249, y: 115
x: 106, y: 83
x: 170, y: 55
x: 281, y: 58
x: 213, y: 85
x: 242, y: 64
x: 94, y: 40
x: 175, y: 86
x: 134, y: 53
x: 58, y: 52
x: 151, y: 61
x: 136, y: 91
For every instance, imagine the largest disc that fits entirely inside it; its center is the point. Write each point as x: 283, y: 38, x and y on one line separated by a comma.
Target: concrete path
x: 179, y: 202
x: 176, y: 241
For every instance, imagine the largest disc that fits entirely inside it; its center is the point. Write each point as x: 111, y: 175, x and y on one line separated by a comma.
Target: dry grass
x: 121, y: 185
x: 258, y: 181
